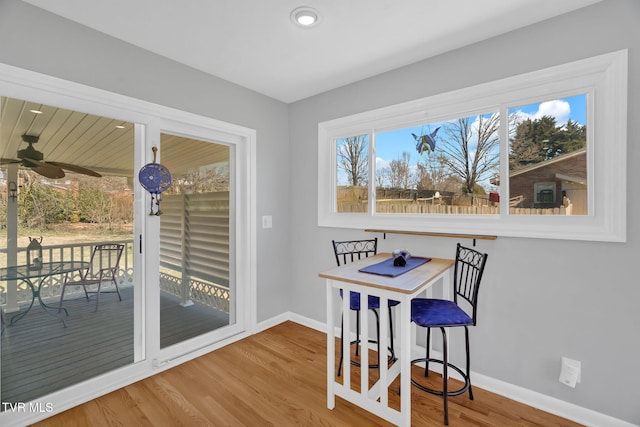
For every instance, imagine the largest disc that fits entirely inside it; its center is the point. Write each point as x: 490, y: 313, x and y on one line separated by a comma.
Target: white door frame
x: 150, y: 119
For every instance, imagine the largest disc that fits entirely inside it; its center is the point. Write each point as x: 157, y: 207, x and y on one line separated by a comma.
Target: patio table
x: 27, y: 274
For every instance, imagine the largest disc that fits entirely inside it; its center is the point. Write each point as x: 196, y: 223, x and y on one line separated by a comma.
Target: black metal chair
x: 349, y: 251
x: 103, y: 268
x: 437, y: 313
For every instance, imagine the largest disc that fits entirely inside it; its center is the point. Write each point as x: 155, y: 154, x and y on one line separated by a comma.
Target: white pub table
x: 403, y: 288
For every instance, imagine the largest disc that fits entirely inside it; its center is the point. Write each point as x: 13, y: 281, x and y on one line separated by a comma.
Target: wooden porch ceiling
x: 102, y: 144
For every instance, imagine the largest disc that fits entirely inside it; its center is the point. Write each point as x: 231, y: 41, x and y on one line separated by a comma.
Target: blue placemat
x: 386, y: 267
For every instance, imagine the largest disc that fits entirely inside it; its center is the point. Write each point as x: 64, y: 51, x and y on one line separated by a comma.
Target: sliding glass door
x: 181, y: 291
x: 196, y: 287
x: 67, y: 188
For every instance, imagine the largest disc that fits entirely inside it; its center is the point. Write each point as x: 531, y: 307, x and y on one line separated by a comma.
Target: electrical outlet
x: 570, y: 372
x: 267, y: 221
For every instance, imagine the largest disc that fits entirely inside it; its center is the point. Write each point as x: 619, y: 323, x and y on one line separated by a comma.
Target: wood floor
x: 274, y: 378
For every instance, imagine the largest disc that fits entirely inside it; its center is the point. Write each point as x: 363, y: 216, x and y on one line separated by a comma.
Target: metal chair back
x: 105, y: 260
x: 351, y: 250
x: 468, y: 275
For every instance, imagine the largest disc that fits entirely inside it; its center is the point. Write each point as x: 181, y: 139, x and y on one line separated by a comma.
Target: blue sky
x: 390, y: 145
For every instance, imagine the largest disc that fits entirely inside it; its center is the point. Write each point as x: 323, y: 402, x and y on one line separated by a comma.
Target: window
x: 548, y: 142
x: 352, y: 156
x: 514, y: 157
x: 438, y: 168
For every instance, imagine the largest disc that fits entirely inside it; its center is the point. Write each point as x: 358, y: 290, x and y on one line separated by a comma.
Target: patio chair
x: 349, y: 251
x: 437, y: 313
x: 103, y: 268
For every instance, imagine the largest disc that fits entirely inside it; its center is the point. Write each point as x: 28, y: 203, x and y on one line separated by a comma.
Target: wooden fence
x: 411, y: 201
x: 411, y: 207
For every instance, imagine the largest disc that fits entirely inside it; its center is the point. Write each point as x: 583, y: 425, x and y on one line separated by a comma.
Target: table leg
x: 46, y: 309
x: 405, y: 362
x: 382, y: 355
x: 331, y: 349
x: 364, y: 343
x: 35, y: 293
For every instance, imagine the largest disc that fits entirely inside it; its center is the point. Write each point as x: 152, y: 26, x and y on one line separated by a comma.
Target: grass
x: 69, y: 233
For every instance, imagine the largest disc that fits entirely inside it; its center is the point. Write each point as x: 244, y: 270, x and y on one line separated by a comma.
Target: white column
x: 185, y: 294
x: 12, y: 239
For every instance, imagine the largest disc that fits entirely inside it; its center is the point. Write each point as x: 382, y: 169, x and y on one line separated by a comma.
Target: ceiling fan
x: 33, y: 159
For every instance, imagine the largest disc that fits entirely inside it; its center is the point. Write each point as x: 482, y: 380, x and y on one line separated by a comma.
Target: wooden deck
x: 40, y: 356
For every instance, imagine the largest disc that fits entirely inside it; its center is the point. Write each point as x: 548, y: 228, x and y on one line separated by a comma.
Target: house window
x: 514, y: 157
x: 442, y: 167
x: 544, y: 193
x: 548, y: 153
x: 352, y: 167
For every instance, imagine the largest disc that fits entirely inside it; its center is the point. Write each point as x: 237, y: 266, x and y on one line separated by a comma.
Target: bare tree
x: 382, y: 177
x: 432, y: 173
x: 211, y: 179
x: 353, y: 159
x: 471, y: 149
x: 400, y: 171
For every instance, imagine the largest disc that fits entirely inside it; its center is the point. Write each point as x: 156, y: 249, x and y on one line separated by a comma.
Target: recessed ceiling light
x: 119, y: 127
x: 36, y: 111
x: 305, y: 16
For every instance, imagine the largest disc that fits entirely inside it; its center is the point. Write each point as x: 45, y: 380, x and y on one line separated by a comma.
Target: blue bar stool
x: 437, y: 313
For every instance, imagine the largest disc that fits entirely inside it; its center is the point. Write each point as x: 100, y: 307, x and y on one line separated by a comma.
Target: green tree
x: 541, y: 139
x: 94, y: 205
x: 40, y: 205
x: 573, y: 137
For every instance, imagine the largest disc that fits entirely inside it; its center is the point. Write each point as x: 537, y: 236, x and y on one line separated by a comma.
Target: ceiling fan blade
x: 9, y: 161
x: 49, y: 171
x: 44, y: 169
x: 75, y: 168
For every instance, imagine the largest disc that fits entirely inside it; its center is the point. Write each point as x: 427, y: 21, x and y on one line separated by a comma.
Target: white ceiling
x: 253, y: 43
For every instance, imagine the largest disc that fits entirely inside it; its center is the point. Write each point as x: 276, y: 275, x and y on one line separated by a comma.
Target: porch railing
x: 52, y: 285
x: 200, y: 290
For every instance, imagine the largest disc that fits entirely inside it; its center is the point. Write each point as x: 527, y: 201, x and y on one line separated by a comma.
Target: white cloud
x: 557, y: 108
x: 381, y: 163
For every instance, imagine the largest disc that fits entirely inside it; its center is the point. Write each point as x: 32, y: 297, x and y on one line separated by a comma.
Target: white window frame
x: 603, y: 79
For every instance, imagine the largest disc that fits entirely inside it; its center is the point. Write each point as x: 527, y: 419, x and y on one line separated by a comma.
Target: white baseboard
x: 531, y: 398
x: 546, y: 403
x: 270, y: 323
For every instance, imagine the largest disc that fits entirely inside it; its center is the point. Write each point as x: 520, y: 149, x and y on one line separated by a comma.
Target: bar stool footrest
x: 391, y: 357
x: 464, y: 388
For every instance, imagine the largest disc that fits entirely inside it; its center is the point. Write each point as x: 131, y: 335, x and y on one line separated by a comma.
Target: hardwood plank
x: 276, y: 377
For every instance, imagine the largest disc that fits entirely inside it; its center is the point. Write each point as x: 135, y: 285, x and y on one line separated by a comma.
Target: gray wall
x: 33, y: 39
x: 582, y: 302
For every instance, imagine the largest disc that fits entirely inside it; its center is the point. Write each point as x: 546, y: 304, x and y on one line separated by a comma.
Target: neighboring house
x: 553, y: 183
